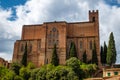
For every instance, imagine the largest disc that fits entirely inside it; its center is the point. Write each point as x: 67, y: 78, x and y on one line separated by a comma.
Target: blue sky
x: 11, y: 3
x: 16, y: 13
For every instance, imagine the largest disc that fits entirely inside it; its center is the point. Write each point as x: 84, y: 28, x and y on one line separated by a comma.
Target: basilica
x: 40, y: 39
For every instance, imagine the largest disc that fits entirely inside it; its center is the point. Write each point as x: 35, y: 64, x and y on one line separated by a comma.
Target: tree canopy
x: 111, y: 50
x: 55, y: 59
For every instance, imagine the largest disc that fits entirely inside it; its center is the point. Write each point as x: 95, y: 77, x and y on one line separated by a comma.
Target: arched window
x: 39, y: 45
x: 81, y: 44
x: 30, y: 47
x: 90, y: 44
x: 93, y: 19
x: 22, y: 47
x: 53, y: 38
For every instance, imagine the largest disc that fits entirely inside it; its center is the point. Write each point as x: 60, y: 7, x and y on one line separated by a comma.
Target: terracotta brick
x: 42, y: 38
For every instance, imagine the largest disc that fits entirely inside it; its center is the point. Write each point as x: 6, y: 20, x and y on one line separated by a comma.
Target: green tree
x: 33, y: 75
x: 55, y: 59
x: 41, y: 75
x: 94, y: 55
x: 105, y: 53
x: 25, y: 73
x: 9, y: 75
x: 102, y: 55
x: 84, y: 58
x: 75, y: 63
x: 3, y: 71
x: 15, y: 67
x: 111, y: 51
x: 24, y: 58
x: 73, y: 52
x: 30, y: 65
x: 18, y: 78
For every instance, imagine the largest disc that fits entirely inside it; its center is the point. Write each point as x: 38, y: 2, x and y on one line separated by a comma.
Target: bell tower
x: 94, y: 18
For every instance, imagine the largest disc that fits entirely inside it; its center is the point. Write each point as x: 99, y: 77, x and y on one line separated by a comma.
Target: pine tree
x: 105, y: 52
x: 111, y: 51
x: 55, y: 60
x: 94, y: 55
x: 24, y: 57
x: 84, y: 58
x: 73, y: 52
x: 102, y: 55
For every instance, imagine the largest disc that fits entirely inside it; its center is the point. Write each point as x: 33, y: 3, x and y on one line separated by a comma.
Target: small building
x: 4, y: 63
x: 111, y: 72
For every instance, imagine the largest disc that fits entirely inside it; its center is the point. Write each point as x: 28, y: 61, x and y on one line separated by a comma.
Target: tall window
x: 22, y: 47
x: 81, y: 45
x: 90, y: 44
x: 39, y: 45
x: 53, y: 37
x: 30, y: 47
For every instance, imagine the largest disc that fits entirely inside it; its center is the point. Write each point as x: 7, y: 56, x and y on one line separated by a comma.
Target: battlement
x: 93, y: 11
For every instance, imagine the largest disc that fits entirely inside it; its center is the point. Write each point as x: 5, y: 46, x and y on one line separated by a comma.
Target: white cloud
x: 39, y: 11
x: 6, y: 56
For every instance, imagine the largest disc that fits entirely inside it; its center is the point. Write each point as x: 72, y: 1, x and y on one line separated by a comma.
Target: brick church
x: 41, y: 38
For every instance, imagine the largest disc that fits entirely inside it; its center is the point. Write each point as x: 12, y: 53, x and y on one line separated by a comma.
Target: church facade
x: 41, y: 38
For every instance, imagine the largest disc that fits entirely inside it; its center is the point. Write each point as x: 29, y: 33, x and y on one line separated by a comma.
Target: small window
x: 93, y: 19
x: 115, y: 73
x: 108, y: 74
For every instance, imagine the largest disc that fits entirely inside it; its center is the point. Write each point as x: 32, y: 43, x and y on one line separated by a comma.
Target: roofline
x: 55, y: 22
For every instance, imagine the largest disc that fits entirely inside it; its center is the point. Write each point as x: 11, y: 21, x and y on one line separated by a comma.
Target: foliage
x: 55, y: 59
x: 94, y: 55
x: 9, y: 75
x: 88, y: 69
x: 111, y: 51
x: 73, y: 52
x: 24, y: 57
x: 18, y: 78
x: 73, y: 70
x: 75, y: 63
x: 101, y: 55
x: 105, y: 52
x: 25, y: 73
x: 84, y: 58
x: 3, y: 71
x: 15, y: 67
x: 41, y: 75
x: 33, y: 75
x: 30, y: 65
x: 62, y: 73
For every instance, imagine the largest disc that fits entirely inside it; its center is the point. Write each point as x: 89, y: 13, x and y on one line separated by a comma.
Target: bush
x: 25, y: 73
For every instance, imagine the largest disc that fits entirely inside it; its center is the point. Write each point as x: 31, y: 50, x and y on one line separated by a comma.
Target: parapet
x: 93, y: 11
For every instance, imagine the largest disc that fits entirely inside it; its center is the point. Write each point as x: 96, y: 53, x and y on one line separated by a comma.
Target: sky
x: 16, y: 13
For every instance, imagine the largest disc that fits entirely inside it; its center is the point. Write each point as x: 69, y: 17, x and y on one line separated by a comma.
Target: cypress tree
x: 102, y: 55
x: 24, y: 57
x: 111, y: 51
x: 84, y: 58
x: 94, y: 55
x: 55, y: 60
x: 105, y: 52
x: 73, y: 52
